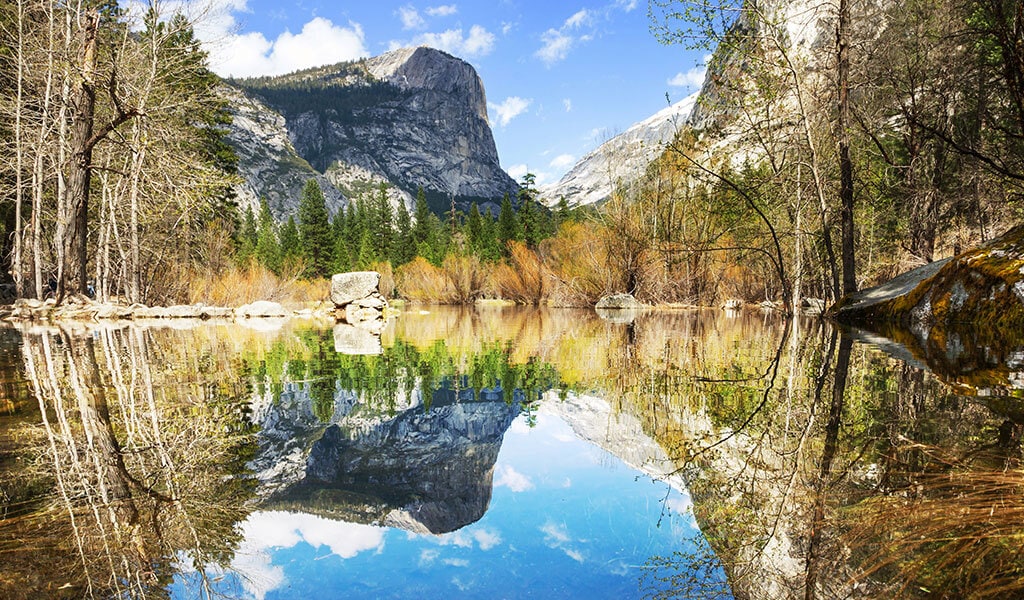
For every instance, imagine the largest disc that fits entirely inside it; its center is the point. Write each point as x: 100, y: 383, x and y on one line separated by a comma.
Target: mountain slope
x: 414, y: 117
x: 620, y: 159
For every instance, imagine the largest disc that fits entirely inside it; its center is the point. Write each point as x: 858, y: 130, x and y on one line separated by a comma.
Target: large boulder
x: 261, y: 309
x: 347, y: 288
x: 619, y: 302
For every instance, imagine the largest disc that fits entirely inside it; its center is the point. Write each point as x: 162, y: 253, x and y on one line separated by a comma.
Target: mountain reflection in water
x: 510, y: 453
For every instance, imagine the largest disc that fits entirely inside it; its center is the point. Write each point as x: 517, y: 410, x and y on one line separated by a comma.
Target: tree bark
x: 845, y: 163
x: 74, y: 220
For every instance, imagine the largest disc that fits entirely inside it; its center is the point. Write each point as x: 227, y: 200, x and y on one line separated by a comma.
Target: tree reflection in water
x: 851, y: 476
x: 145, y: 456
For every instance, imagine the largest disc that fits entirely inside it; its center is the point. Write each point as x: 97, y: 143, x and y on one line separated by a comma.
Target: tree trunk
x: 845, y: 164
x: 74, y: 220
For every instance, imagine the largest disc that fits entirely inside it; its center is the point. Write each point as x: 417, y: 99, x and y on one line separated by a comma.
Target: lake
x: 510, y: 453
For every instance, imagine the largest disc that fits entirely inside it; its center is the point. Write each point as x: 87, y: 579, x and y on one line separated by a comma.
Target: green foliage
x: 268, y: 249
x: 291, y: 247
x: 509, y: 228
x: 380, y: 381
x: 315, y: 230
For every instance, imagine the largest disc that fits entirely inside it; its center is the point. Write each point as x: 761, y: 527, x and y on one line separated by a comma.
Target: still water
x: 510, y: 453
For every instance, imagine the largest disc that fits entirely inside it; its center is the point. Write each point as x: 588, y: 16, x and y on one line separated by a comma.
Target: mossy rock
x: 983, y: 287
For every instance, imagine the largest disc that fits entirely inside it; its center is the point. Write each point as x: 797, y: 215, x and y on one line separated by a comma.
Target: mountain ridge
x: 409, y: 118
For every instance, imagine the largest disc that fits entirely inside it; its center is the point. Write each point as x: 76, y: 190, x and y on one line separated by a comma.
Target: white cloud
x: 694, y: 78
x: 556, y: 46
x: 626, y: 5
x: 320, y: 42
x: 579, y: 19
x: 563, y: 161
x: 508, y: 477
x: 567, y: 103
x: 510, y: 108
x: 558, y: 42
x: 410, y: 18
x: 266, y: 531
x: 516, y: 172
x: 445, y: 10
x: 506, y: 28
x: 541, y: 178
x: 478, y: 42
x: 486, y: 538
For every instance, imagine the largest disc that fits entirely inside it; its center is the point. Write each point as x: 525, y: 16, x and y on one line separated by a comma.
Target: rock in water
x: 347, y: 288
x: 620, y: 302
x: 349, y: 339
x: 357, y: 299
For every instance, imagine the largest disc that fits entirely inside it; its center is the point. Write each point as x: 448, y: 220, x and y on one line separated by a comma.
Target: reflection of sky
x: 566, y: 519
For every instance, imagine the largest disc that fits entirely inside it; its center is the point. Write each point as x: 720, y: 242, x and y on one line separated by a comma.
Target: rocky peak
x: 414, y: 117
x: 424, y: 68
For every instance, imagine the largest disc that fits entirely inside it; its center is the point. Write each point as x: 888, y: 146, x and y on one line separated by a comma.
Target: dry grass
x: 960, y: 531
x: 241, y: 285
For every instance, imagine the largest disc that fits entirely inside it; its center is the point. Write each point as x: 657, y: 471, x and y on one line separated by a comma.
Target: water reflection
x: 133, y: 467
x: 509, y: 452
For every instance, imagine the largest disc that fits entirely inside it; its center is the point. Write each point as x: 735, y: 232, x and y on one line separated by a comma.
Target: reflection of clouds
x: 557, y: 537
x: 680, y: 505
x: 519, y: 427
x: 265, y: 532
x: 427, y: 557
x: 557, y: 534
x: 484, y: 538
x: 514, y: 480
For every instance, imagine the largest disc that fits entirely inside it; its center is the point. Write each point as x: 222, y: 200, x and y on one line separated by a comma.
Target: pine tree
x: 421, y: 216
x: 403, y: 250
x: 383, y: 227
x: 341, y: 259
x: 315, y: 230
x: 247, y: 237
x: 508, y: 225
x: 268, y: 251
x: 291, y: 247
x: 474, y: 229
x: 490, y: 249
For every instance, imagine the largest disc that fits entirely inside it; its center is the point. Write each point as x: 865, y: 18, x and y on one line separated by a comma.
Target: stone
x: 349, y: 339
x: 347, y: 288
x: 619, y: 302
x: 372, y: 301
x: 733, y: 304
x: 261, y: 309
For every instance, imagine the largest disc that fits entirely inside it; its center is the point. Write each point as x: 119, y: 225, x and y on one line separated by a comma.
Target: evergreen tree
x: 315, y: 230
x: 403, y: 250
x: 291, y: 247
x: 508, y: 225
x: 342, y: 260
x: 490, y: 249
x: 268, y: 251
x: 383, y: 230
x: 474, y: 229
x: 421, y: 226
x: 247, y: 237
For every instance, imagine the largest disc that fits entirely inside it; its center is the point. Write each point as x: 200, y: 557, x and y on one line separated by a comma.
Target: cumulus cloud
x: 410, y: 18
x: 567, y: 103
x: 540, y: 178
x: 558, y: 42
x: 320, y: 42
x: 510, y: 108
x: 445, y: 10
x: 264, y: 532
x: 693, y: 78
x: 626, y: 5
x: 563, y: 161
x: 478, y: 42
x: 508, y: 477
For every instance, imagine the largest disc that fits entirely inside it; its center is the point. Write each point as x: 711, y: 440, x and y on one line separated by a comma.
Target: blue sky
x: 561, y: 77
